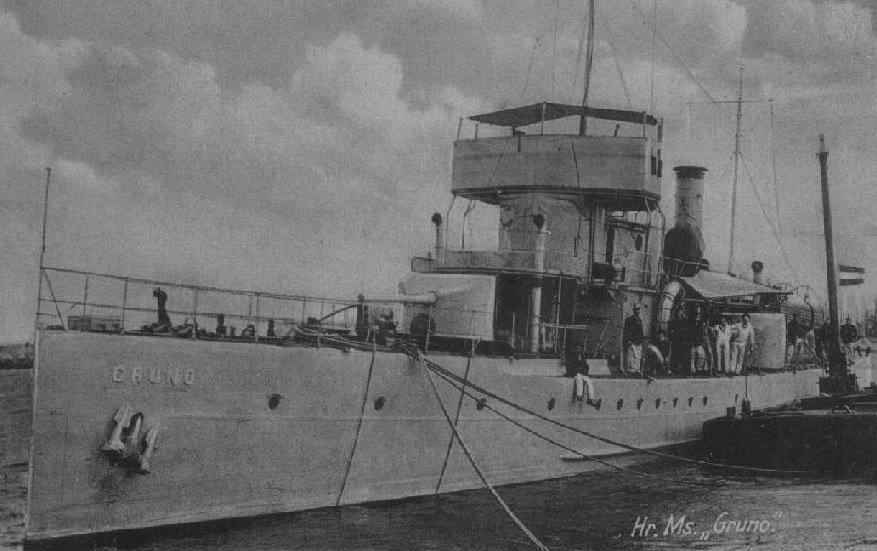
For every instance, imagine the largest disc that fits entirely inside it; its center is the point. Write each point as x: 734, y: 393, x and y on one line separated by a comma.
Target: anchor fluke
x: 143, y: 460
x: 121, y: 418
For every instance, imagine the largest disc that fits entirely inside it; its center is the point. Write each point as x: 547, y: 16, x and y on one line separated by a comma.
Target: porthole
x: 690, y: 401
x: 273, y: 401
x: 551, y: 403
x: 638, y: 242
x: 481, y: 403
x: 619, y: 404
x: 639, y: 404
x: 705, y: 400
x: 379, y: 402
x: 657, y: 403
x: 675, y: 402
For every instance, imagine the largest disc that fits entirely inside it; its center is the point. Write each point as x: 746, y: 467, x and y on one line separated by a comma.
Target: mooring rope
x: 572, y: 450
x: 437, y: 368
x: 438, y: 484
x: 413, y: 351
x: 474, y: 463
x: 368, y: 379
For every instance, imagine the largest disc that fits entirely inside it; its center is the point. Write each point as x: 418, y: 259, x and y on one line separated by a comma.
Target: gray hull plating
x: 253, y: 429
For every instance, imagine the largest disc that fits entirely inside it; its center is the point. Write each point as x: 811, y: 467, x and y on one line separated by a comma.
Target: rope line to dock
x: 368, y: 379
x: 438, y: 484
x: 474, y: 463
x: 438, y: 369
x: 572, y: 450
x: 412, y: 350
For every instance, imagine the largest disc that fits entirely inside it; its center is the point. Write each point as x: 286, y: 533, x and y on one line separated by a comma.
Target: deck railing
x: 81, y: 300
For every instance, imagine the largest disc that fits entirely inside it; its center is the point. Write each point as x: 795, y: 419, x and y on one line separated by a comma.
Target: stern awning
x: 542, y: 112
x: 715, y: 285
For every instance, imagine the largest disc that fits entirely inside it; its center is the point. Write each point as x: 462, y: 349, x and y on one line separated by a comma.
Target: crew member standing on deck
x: 848, y: 335
x: 744, y: 339
x: 792, y: 339
x: 701, y: 349
x: 723, y: 346
x: 633, y: 341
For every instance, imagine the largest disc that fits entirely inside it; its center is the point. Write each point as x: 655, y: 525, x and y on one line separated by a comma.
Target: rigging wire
x: 672, y: 51
x: 530, y: 66
x: 554, y: 53
x: 773, y: 159
x: 654, y: 47
x: 605, y: 21
x: 579, y: 55
x: 773, y: 229
x: 589, y: 56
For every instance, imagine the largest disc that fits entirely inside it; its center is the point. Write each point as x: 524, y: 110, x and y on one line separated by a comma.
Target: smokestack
x: 683, y: 244
x: 689, y: 196
x: 439, y: 239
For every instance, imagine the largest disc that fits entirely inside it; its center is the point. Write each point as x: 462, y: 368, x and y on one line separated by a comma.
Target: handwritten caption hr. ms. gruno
x: 680, y: 526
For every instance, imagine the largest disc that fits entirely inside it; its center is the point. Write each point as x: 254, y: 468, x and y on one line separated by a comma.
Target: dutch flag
x: 850, y: 275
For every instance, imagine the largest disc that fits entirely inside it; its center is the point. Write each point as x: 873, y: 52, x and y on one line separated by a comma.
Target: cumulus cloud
x: 466, y: 9
x: 162, y: 172
x: 237, y: 160
x: 831, y: 34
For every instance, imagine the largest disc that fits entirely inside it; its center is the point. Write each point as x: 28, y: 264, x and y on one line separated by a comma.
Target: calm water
x: 604, y: 510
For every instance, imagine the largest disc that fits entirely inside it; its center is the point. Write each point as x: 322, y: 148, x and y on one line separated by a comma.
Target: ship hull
x: 248, y: 429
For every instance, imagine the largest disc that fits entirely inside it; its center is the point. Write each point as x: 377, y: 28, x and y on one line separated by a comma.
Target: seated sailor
x: 185, y: 330
x: 577, y: 365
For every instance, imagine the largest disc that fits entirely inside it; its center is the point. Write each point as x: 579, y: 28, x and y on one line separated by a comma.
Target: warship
x: 457, y: 381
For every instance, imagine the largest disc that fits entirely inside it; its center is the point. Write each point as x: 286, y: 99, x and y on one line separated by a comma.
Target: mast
x: 834, y: 359
x: 42, y: 252
x: 589, y: 60
x: 736, y: 168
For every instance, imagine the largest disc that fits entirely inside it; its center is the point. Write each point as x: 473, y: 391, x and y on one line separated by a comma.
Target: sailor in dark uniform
x: 577, y: 367
x: 575, y: 360
x: 848, y: 335
x: 633, y: 341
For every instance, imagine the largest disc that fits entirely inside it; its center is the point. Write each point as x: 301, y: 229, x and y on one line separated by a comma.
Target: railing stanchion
x: 256, y: 322
x: 195, y: 314
x: 124, y: 305
x: 84, y: 304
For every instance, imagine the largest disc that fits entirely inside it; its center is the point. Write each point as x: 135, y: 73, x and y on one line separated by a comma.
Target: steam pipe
x: 536, y: 289
x: 440, y: 251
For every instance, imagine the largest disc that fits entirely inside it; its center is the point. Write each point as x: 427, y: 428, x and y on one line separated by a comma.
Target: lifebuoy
x: 672, y: 295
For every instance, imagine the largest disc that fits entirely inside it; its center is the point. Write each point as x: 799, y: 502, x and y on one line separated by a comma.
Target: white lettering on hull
x: 173, y: 376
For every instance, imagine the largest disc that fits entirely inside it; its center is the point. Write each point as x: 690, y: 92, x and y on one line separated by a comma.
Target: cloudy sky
x: 301, y: 146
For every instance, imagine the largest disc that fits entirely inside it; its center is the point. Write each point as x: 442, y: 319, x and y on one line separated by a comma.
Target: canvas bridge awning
x: 543, y: 112
x: 716, y: 286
